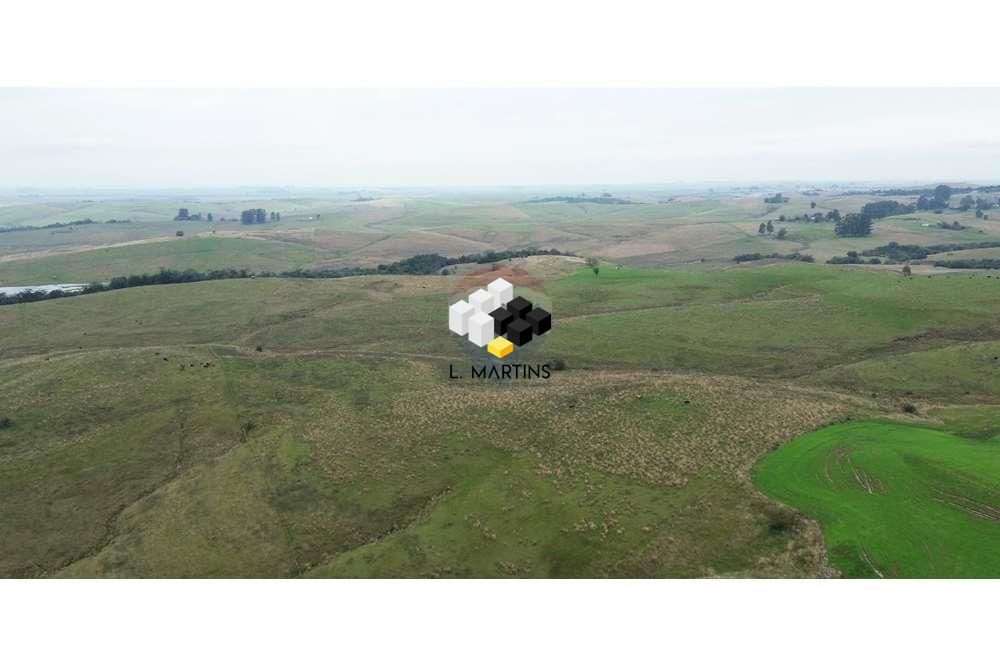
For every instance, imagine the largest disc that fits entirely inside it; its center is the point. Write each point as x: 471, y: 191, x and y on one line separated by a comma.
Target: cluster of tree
x: 885, y: 209
x: 254, y: 216
x: 968, y: 263
x: 979, y: 203
x: 416, y: 265
x: 829, y: 216
x: 605, y: 198
x: 184, y: 215
x: 776, y: 199
x: 852, y: 257
x: 860, y: 224
x: 853, y: 224
x: 54, y: 225
x: 935, y: 200
x: 769, y: 229
x: 954, y: 225
x: 755, y: 256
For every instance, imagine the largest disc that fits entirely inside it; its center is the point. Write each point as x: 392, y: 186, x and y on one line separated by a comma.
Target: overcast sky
x: 488, y: 137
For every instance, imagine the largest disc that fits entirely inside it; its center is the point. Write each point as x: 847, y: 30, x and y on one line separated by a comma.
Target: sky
x: 162, y: 138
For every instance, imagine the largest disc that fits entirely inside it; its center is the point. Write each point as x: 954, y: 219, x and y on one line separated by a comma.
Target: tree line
x: 968, y: 263
x: 417, y: 265
x: 581, y: 199
x: 899, y: 252
x: 56, y: 225
x: 755, y: 256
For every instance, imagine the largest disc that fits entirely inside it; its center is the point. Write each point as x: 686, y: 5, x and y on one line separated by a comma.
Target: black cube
x: 540, y: 321
x: 501, y: 318
x: 519, y: 332
x: 519, y: 306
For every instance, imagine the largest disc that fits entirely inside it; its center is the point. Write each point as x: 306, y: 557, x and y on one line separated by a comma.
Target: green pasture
x: 894, y: 500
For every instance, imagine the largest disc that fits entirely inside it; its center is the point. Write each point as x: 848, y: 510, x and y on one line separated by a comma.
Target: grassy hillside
x: 893, y: 500
x: 196, y: 253
x: 215, y: 461
x: 787, y: 320
x: 277, y: 427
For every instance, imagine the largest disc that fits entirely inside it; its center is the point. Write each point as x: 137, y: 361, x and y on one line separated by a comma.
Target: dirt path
x: 35, y: 254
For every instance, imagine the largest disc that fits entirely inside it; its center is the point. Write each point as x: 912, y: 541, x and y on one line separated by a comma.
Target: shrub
x: 909, y: 408
x: 6, y: 422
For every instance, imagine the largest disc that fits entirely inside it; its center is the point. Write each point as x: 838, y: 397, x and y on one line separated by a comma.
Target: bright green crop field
x: 894, y: 500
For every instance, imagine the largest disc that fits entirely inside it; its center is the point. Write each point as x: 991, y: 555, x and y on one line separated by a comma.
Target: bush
x: 558, y: 364
x: 909, y: 408
x: 6, y: 422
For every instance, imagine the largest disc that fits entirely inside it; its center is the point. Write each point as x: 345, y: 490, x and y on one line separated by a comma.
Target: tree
x: 253, y: 216
x: 770, y: 227
x: 812, y: 204
x: 182, y: 214
x: 597, y: 271
x: 942, y: 195
x: 966, y: 203
x: 854, y: 224
x: 884, y: 209
x: 782, y: 233
x: 210, y: 217
x: 762, y: 229
x: 907, y: 271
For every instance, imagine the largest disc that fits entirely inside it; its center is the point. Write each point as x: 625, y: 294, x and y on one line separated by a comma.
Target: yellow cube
x: 500, y: 347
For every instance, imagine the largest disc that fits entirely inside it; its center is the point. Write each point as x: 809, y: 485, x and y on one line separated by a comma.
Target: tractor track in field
x: 735, y: 302
x: 243, y: 349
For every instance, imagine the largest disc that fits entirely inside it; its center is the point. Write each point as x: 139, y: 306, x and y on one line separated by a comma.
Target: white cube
x: 480, y: 329
x: 458, y: 317
x: 502, y: 290
x: 483, y: 301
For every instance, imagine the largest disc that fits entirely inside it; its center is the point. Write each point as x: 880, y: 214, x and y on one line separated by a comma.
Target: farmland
x: 283, y: 427
x: 895, y: 500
